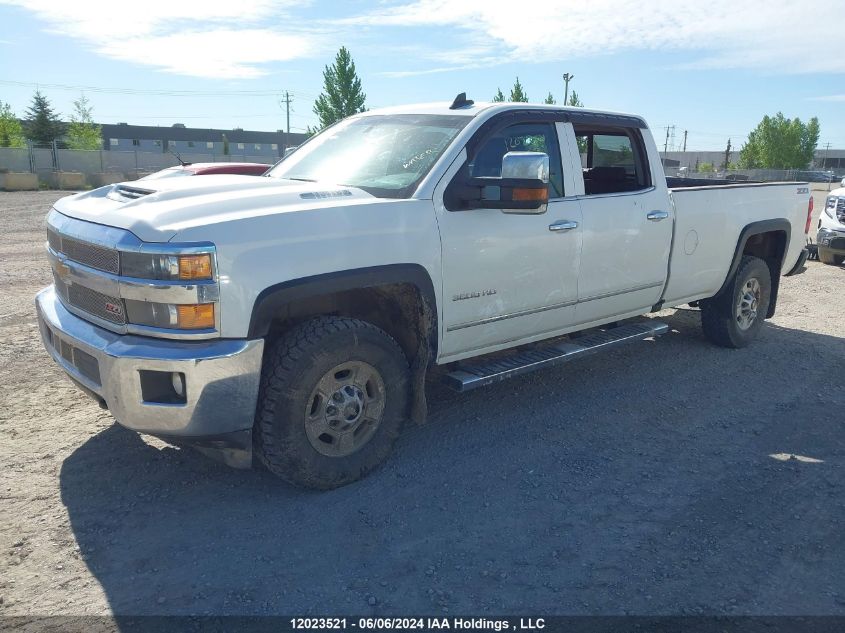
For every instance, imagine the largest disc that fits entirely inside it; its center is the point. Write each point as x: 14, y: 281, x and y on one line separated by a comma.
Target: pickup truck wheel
x: 334, y: 393
x: 826, y: 257
x: 734, y: 318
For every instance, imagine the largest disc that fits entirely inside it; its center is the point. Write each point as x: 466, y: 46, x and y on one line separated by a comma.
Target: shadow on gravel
x: 636, y: 482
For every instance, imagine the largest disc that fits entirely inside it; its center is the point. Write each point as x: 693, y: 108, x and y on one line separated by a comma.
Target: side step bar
x: 479, y: 373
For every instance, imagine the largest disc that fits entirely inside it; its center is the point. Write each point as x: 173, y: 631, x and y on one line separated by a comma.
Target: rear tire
x: 734, y: 318
x: 334, y: 394
x: 826, y: 257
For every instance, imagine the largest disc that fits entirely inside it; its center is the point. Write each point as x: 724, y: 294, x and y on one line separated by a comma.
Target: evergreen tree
x: 11, y: 130
x: 342, y: 95
x: 42, y: 124
x: 517, y: 93
x: 83, y: 133
x: 550, y: 99
x: 575, y: 101
x: 498, y: 97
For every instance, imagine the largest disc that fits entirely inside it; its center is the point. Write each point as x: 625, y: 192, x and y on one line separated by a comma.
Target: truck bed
x: 707, y: 211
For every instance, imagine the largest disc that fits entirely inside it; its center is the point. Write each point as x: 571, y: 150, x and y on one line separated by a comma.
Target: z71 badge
x: 803, y: 190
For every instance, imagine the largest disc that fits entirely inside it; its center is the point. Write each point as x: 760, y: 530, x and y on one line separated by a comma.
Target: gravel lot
x: 653, y: 480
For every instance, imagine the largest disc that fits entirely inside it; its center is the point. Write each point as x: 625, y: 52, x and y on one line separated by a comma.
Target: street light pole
x: 567, y: 77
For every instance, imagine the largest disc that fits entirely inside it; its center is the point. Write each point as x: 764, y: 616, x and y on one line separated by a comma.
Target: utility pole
x: 286, y: 101
x: 666, y: 143
x: 685, y: 140
x: 826, y: 149
x: 567, y: 77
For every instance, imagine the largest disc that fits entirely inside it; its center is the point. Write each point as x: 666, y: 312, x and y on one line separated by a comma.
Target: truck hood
x: 156, y: 210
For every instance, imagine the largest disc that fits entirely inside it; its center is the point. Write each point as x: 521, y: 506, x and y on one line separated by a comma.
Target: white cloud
x: 199, y: 38
x: 770, y: 35
x: 829, y: 98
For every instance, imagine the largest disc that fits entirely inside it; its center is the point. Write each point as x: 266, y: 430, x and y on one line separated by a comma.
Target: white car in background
x: 831, y: 235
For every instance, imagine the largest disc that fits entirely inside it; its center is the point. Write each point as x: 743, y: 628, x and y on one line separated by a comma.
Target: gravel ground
x: 653, y: 480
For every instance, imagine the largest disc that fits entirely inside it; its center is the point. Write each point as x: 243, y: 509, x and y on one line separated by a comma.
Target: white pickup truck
x: 291, y: 319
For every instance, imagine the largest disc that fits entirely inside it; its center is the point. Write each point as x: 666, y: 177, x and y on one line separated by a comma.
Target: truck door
x: 508, y: 277
x: 626, y: 224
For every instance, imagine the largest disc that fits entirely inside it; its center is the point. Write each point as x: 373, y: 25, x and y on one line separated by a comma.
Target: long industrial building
x: 179, y: 138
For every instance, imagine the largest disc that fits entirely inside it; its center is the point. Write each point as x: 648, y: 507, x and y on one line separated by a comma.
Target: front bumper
x: 220, y: 377
x: 831, y: 240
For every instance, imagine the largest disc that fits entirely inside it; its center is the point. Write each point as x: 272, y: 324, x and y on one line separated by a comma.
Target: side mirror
x: 522, y: 188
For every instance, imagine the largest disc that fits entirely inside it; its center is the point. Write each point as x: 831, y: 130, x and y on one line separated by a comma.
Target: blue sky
x: 713, y: 68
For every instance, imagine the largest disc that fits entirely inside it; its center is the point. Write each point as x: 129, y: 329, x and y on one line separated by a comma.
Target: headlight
x: 167, y: 267
x: 830, y: 207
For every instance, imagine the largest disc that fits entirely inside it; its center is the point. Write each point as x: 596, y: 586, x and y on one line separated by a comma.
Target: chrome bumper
x: 221, y: 376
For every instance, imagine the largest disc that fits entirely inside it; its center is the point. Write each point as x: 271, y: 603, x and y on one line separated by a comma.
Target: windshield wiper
x: 299, y: 179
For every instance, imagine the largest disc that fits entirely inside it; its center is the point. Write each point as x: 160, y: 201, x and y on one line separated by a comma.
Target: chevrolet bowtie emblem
x: 62, y: 270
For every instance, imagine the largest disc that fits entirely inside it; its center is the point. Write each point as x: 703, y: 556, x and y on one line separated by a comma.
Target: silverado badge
x: 473, y: 295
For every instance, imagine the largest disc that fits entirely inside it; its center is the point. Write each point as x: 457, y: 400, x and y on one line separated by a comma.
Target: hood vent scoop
x: 320, y: 195
x: 122, y: 193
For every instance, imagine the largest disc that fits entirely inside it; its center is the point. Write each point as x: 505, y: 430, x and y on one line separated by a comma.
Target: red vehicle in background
x: 206, y: 169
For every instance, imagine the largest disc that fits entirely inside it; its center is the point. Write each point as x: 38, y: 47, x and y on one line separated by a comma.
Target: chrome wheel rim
x: 345, y: 409
x: 749, y: 301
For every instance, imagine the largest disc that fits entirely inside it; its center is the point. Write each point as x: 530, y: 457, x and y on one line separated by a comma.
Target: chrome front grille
x: 93, y: 255
x: 840, y: 210
x: 95, y: 303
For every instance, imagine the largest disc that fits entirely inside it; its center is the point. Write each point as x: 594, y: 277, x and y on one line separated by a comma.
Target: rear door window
x: 612, y: 160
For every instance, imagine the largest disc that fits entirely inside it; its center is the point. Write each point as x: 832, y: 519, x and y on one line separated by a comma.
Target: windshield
x: 385, y: 155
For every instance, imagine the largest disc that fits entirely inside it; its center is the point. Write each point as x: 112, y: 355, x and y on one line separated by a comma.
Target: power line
x: 137, y: 91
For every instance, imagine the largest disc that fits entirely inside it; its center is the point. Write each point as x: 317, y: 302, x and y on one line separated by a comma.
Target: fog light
x: 178, y: 381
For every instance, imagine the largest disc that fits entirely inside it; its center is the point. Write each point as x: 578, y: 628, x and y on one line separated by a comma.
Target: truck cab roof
x: 480, y: 107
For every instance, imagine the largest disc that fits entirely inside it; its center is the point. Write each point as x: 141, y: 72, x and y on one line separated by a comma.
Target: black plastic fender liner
x: 272, y: 299
x: 778, y: 225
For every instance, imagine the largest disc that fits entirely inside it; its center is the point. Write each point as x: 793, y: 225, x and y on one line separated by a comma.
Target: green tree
x: 550, y: 99
x: 342, y: 95
x: 82, y: 132
x: 498, y: 97
x: 42, y: 124
x: 518, y: 94
x: 574, y: 101
x: 780, y: 143
x: 11, y: 130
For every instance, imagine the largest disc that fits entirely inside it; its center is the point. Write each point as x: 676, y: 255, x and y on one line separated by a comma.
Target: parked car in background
x: 816, y: 176
x: 208, y: 169
x: 831, y: 236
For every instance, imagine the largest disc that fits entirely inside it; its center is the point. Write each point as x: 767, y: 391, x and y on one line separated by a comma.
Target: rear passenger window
x: 522, y: 137
x: 613, y: 160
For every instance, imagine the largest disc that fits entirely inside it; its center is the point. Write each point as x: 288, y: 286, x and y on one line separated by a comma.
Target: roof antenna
x: 178, y: 157
x: 461, y: 101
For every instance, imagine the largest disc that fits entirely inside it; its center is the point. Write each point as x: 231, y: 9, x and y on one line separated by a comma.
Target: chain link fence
x: 44, y: 160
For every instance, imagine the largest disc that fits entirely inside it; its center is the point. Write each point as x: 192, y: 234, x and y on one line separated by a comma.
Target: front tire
x: 334, y: 394
x: 734, y: 318
x: 826, y: 257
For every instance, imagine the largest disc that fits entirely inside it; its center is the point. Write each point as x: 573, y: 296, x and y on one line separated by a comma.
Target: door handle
x: 656, y: 216
x: 563, y: 225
